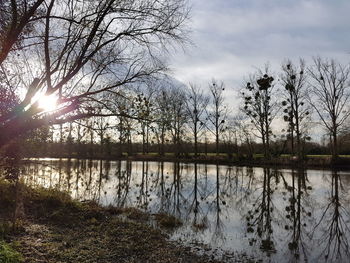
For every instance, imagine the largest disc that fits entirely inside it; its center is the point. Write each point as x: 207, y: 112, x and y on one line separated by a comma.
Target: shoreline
x: 52, y: 227
x: 319, y: 163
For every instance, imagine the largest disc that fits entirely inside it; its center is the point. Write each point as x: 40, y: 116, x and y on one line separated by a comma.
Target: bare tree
x: 244, y: 135
x: 144, y: 108
x: 103, y: 124
x: 126, y: 126
x: 330, y: 96
x: 163, y: 117
x: 178, y: 117
x: 16, y: 21
x: 260, y: 107
x: 218, y: 113
x: 296, y: 111
x: 196, y: 104
x: 76, y: 50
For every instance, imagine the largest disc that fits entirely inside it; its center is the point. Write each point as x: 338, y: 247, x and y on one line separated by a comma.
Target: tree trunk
x: 335, y: 145
x: 195, y: 140
x: 162, y: 143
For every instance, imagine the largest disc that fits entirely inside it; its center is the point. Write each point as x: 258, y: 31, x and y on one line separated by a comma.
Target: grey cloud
x: 232, y: 36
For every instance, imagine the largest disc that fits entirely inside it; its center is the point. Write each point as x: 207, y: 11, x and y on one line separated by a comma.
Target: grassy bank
x: 48, y: 226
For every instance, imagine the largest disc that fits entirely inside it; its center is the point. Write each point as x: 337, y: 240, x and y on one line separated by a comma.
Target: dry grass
x: 55, y: 228
x: 167, y: 221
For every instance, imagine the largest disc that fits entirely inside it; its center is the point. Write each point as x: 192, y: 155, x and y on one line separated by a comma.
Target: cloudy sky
x: 231, y: 37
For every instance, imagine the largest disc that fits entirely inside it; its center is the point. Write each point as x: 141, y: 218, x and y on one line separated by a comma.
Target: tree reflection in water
x: 199, y: 221
x: 292, y: 215
x: 334, y: 222
x: 297, y: 214
x: 219, y: 227
x: 122, y: 183
x: 259, y: 217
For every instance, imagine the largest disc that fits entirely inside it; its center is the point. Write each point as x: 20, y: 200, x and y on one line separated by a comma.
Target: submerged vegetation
x: 166, y: 220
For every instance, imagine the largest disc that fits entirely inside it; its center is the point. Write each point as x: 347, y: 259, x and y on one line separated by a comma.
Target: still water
x: 265, y: 214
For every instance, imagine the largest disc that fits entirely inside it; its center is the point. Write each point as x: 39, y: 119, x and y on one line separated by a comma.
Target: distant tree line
x: 274, y: 116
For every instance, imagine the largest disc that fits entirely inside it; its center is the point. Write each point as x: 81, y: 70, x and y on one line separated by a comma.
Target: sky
x: 231, y: 38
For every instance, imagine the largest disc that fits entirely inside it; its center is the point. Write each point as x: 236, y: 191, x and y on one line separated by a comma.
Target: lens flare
x: 47, y: 103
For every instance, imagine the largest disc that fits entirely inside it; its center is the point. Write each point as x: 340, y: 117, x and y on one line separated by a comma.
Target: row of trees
x: 91, y: 55
x: 159, y: 113
x: 279, y: 109
x: 322, y: 88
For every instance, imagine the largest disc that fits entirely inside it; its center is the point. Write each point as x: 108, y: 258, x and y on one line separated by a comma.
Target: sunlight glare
x: 47, y: 103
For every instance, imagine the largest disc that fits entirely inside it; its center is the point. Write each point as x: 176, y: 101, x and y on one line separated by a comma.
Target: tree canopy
x: 76, y: 50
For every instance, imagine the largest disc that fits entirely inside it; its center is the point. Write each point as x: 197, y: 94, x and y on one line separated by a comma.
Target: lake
x: 264, y: 214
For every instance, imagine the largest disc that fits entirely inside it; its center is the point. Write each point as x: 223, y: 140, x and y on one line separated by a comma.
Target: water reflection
x: 297, y: 214
x: 334, y: 222
x: 259, y: 218
x: 274, y: 215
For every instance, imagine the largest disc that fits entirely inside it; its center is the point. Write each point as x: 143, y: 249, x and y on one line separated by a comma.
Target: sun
x: 47, y: 103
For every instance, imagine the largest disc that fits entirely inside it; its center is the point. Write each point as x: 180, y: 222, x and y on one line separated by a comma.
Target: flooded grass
x: 56, y: 228
x: 167, y: 221
x: 199, y: 226
x: 135, y: 214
